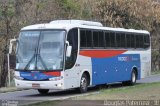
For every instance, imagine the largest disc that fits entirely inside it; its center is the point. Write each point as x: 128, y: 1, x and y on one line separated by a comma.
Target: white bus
x: 65, y: 54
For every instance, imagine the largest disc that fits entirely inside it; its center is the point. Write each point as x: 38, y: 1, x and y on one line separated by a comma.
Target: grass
x: 7, y: 89
x: 45, y: 103
x: 155, y: 72
x: 150, y: 91
x: 138, y: 92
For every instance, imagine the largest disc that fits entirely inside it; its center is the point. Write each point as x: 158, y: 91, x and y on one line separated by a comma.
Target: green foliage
x: 7, y: 9
x: 69, y: 8
x: 40, y: 6
x: 69, y: 5
x: 86, y: 14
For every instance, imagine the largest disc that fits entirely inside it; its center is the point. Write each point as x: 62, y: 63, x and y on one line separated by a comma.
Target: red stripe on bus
x: 101, y: 53
x: 56, y: 73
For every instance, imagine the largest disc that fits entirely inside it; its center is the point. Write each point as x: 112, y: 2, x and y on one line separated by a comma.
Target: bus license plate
x: 34, y: 85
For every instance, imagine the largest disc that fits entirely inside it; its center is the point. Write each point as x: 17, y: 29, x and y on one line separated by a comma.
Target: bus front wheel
x: 83, y: 83
x: 43, y: 91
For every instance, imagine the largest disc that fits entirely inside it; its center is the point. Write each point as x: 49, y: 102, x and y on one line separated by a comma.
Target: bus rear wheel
x: 84, y: 83
x: 43, y: 91
x: 133, y: 79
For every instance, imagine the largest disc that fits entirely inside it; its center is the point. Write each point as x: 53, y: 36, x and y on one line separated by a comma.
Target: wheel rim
x: 83, y: 83
x: 133, y: 77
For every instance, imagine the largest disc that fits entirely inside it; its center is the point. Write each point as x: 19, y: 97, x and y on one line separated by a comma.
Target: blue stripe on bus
x: 35, y: 76
x: 114, y: 69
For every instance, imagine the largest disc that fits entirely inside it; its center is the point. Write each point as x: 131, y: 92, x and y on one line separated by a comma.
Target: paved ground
x: 150, y: 79
x: 27, y: 96
x: 31, y: 96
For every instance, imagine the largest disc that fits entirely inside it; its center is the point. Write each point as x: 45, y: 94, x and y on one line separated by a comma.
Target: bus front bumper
x: 58, y: 85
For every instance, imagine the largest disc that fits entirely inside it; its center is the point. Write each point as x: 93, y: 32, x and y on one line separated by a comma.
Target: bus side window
x: 89, y: 39
x: 146, y: 41
x: 133, y: 41
x: 98, y: 39
x: 101, y: 39
x: 118, y: 40
x: 137, y: 41
x: 141, y: 41
x: 112, y: 39
x: 85, y: 39
x: 128, y: 40
x: 72, y: 38
x: 95, y: 39
x: 123, y: 40
x: 107, y: 39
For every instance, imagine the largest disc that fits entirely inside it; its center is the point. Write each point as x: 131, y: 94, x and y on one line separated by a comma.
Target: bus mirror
x: 69, y: 49
x: 12, y: 63
x: 11, y: 45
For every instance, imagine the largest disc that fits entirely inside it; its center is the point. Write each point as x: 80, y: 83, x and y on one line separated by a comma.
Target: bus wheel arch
x: 134, y: 76
x: 84, y: 82
x: 136, y: 71
x: 88, y: 77
x: 43, y: 91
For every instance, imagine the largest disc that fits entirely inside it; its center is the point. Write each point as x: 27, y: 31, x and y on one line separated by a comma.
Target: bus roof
x: 69, y: 24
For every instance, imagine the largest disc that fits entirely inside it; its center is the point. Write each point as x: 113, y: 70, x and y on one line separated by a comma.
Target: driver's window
x: 72, y: 38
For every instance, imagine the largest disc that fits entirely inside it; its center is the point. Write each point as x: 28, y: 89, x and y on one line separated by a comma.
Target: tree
x: 6, y: 15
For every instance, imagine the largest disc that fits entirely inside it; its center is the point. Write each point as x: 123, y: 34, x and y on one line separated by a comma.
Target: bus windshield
x: 40, y: 50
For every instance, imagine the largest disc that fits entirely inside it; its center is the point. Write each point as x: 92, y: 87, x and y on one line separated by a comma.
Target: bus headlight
x: 18, y: 77
x: 55, y: 78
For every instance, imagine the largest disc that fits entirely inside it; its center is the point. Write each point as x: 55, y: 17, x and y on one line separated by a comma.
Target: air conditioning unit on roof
x: 81, y: 22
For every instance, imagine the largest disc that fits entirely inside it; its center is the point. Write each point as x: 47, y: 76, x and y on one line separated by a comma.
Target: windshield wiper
x: 40, y: 58
x: 36, y: 55
x: 33, y: 57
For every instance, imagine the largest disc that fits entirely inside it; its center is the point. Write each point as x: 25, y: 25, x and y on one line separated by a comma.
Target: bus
x: 66, y: 54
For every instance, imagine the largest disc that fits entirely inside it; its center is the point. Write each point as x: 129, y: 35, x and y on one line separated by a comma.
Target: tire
x: 83, y: 84
x: 43, y: 91
x: 133, y: 79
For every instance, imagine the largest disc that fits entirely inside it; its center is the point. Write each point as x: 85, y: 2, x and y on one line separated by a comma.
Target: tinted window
x: 85, y: 38
x: 107, y: 39
x: 95, y: 39
x: 118, y: 39
x: 112, y: 39
x: 128, y: 40
x: 123, y: 40
x: 98, y: 39
x: 88, y: 38
x: 146, y: 41
x: 139, y: 41
x: 132, y: 40
x: 101, y: 39
x: 73, y: 41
